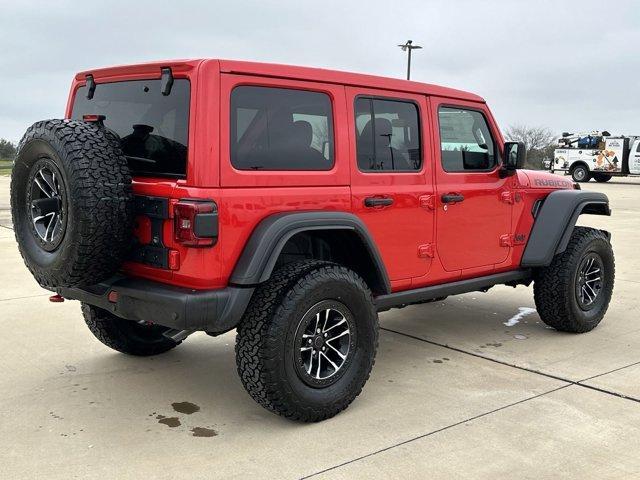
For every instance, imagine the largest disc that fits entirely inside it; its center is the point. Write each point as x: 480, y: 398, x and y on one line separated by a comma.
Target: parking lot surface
x: 475, y: 386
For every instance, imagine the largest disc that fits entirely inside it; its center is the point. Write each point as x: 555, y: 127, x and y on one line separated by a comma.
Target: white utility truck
x: 597, y: 155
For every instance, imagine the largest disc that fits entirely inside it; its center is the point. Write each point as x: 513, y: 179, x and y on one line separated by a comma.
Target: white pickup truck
x: 597, y: 155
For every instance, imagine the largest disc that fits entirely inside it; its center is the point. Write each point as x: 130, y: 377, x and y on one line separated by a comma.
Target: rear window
x: 280, y: 129
x: 152, y: 128
x: 388, y: 135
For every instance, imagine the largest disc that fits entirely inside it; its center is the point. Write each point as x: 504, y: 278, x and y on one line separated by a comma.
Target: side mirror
x: 514, y: 157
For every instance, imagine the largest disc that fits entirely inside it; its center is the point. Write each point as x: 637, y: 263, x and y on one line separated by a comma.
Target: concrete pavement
x: 472, y: 387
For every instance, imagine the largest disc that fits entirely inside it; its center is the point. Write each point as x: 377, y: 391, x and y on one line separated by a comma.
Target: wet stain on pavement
x: 170, y: 421
x: 185, y: 407
x: 441, y: 361
x: 203, y: 432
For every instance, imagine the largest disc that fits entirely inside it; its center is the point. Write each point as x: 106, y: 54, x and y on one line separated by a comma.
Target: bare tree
x: 539, y: 142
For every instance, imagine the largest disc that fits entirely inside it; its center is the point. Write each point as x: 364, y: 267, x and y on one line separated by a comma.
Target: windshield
x: 152, y: 128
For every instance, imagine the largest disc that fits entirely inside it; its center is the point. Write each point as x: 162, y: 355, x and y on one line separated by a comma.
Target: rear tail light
x: 91, y: 118
x: 195, y: 223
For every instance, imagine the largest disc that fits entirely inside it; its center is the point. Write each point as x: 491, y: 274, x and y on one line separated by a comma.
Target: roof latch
x: 166, y: 81
x: 91, y: 86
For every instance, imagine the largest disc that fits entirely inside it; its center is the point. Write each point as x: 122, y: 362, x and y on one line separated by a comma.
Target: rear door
x: 634, y: 157
x: 474, y: 203
x: 390, y: 190
x: 155, y: 133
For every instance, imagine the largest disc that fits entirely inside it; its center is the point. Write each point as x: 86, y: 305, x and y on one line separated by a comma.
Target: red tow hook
x: 56, y: 298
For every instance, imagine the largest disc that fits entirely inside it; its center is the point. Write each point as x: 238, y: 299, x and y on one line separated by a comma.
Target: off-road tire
x: 126, y: 336
x: 555, y: 286
x: 265, y: 348
x: 95, y: 196
x: 601, y: 177
x: 580, y: 173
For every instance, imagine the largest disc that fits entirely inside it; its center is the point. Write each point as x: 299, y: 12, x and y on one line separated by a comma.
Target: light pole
x: 407, y: 47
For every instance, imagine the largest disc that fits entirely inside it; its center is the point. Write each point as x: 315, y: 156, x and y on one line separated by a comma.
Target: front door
x: 474, y: 204
x: 390, y: 190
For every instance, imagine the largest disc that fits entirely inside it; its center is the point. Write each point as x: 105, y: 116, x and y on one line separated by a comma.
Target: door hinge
x: 506, y: 240
x: 507, y: 197
x: 425, y: 251
x: 428, y: 202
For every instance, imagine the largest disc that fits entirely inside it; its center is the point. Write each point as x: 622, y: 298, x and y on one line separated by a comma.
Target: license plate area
x: 148, y: 245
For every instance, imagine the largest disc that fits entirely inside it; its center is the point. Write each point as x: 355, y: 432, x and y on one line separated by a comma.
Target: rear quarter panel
x: 247, y: 197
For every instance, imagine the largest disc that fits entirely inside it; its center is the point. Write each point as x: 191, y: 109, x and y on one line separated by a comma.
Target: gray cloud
x: 569, y: 65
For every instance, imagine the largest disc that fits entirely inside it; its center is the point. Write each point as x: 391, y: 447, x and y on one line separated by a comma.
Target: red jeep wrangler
x: 292, y: 204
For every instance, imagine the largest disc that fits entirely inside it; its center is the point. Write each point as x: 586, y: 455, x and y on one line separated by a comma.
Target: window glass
x: 465, y: 140
x: 280, y: 129
x: 388, y: 135
x: 152, y: 128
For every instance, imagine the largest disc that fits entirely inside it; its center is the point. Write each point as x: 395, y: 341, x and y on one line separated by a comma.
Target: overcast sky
x: 568, y: 65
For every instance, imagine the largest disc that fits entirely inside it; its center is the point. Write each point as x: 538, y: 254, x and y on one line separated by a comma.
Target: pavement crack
x: 607, y: 373
x: 609, y: 392
x: 477, y: 355
x: 530, y: 370
x: 433, y: 432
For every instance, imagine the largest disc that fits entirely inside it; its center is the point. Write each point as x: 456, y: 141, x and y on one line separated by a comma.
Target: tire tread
x: 112, y: 332
x: 256, y: 341
x: 551, y: 288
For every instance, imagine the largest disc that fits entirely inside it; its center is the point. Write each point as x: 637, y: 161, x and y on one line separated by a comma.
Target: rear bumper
x: 214, y: 311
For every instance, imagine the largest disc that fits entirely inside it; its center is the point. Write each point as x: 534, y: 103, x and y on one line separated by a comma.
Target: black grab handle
x: 378, y: 202
x: 452, y: 198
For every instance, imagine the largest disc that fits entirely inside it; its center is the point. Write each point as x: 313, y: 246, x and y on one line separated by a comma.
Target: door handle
x: 452, y: 198
x: 372, y: 202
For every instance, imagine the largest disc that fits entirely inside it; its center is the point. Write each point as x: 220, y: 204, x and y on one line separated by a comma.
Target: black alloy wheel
x: 46, y: 200
x: 325, y: 342
x: 589, y: 281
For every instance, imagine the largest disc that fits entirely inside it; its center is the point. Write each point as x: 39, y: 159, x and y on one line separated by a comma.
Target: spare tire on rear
x: 71, y: 203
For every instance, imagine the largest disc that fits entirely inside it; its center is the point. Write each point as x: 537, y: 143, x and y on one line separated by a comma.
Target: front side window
x: 465, y: 141
x: 387, y: 135
x: 281, y: 129
x: 152, y: 128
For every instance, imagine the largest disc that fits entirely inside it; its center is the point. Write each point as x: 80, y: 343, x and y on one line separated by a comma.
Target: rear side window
x: 465, y: 141
x: 281, y: 129
x: 152, y: 128
x: 388, y: 135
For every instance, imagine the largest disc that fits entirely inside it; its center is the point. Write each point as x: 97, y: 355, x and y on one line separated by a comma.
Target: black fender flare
x: 555, y: 222
x: 258, y: 259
